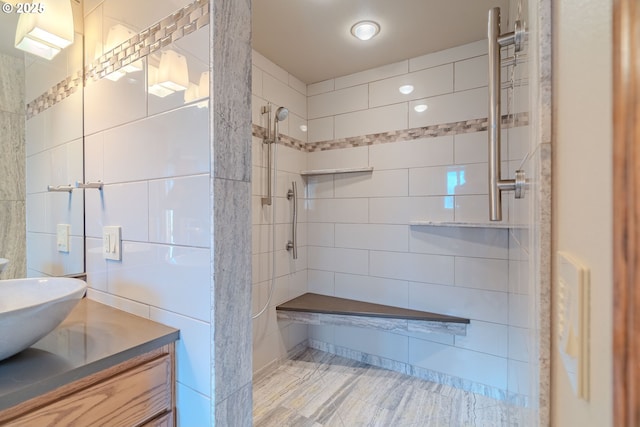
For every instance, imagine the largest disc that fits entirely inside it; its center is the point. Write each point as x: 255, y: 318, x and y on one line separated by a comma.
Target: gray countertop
x: 92, y: 338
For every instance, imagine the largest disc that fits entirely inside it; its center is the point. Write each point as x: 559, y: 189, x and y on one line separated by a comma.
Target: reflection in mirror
x: 12, y: 160
x: 41, y: 231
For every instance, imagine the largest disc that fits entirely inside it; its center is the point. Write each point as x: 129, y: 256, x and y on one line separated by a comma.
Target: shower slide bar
x: 281, y: 114
x: 496, y: 184
x: 266, y: 109
x: 292, y: 245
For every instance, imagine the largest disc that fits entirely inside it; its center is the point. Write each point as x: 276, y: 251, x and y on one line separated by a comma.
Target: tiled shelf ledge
x: 334, y: 171
x: 466, y: 224
x: 315, y: 309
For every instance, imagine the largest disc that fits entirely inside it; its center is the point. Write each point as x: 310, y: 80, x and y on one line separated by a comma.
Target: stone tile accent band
x: 433, y: 131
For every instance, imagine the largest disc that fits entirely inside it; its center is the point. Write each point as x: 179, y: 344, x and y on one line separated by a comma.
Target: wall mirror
x: 41, y: 122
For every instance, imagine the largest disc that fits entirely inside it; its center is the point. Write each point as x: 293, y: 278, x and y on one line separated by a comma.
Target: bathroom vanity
x: 101, y: 366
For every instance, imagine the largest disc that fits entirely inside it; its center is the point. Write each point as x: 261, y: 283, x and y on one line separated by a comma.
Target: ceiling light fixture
x: 365, y: 30
x: 421, y: 108
x: 405, y: 89
x: 46, y: 34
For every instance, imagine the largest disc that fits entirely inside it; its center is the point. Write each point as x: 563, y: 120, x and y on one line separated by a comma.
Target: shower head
x: 281, y: 114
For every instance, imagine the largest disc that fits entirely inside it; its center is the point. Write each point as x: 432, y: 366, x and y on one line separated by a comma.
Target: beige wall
x: 582, y: 182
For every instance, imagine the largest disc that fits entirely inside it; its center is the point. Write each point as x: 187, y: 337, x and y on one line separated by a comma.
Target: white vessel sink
x: 31, y: 308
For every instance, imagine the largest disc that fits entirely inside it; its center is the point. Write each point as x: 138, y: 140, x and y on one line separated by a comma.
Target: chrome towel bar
x: 60, y: 188
x: 97, y: 185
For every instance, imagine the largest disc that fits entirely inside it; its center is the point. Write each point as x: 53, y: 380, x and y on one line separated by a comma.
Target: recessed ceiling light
x: 303, y: 128
x: 421, y: 108
x: 405, y: 89
x: 365, y: 30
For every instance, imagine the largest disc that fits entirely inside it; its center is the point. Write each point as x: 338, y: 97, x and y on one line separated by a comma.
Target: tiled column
x: 231, y: 201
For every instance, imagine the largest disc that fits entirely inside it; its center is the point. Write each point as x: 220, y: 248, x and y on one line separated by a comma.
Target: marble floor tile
x: 320, y: 389
x: 280, y: 416
x: 271, y: 390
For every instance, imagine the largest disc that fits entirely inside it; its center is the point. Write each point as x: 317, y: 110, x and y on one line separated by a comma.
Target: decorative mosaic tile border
x: 287, y: 141
x: 57, y: 93
x: 433, y: 131
x: 172, y: 28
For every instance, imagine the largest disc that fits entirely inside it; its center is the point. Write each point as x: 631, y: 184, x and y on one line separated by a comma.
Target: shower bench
x: 316, y: 309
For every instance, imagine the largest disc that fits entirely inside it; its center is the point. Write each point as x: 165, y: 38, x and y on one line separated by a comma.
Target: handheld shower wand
x: 281, y: 114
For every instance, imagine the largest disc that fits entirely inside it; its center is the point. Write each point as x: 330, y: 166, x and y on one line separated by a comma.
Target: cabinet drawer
x: 127, y: 399
x: 165, y: 420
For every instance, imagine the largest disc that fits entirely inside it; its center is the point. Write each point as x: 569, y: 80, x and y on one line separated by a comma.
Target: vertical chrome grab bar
x: 267, y: 140
x: 293, y: 244
x: 496, y: 184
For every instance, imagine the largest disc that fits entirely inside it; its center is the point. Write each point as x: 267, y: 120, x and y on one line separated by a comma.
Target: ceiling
x: 311, y: 39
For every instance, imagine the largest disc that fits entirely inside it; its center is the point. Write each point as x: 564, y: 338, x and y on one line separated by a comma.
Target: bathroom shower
x: 393, y: 207
x: 272, y: 182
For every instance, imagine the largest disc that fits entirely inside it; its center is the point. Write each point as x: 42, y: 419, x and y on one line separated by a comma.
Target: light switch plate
x: 112, y: 243
x: 573, y: 321
x: 62, y: 237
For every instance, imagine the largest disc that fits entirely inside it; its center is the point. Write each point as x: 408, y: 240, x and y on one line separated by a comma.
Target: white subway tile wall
x: 459, y: 53
x: 471, y: 73
x: 152, y: 154
x: 459, y: 362
x: 371, y: 75
x: 424, y: 83
x: 373, y: 120
x: 272, y: 84
x: 130, y: 103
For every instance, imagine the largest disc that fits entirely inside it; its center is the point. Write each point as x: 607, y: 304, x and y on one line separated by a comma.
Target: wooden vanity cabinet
x: 137, y: 392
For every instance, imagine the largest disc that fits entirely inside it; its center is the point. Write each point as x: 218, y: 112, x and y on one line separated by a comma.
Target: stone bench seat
x: 316, y: 309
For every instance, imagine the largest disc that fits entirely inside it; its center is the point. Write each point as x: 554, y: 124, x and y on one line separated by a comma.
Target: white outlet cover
x: 573, y: 321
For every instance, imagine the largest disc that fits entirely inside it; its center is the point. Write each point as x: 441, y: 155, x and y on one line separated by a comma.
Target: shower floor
x: 316, y: 389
